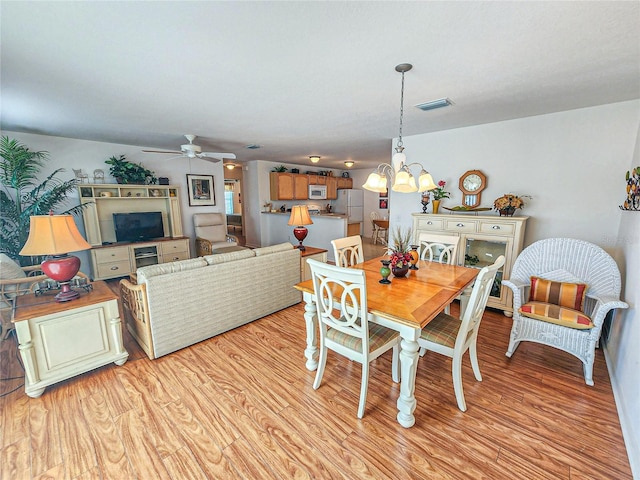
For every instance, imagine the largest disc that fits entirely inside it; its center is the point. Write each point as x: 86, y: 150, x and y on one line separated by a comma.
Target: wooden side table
x: 58, y: 341
x: 319, y: 254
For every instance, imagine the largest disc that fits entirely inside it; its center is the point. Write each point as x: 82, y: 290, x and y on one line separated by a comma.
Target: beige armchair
x: 211, y: 233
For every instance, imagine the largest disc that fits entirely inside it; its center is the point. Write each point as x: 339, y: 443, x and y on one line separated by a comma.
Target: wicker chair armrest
x: 135, y: 309
x: 603, y: 305
x: 520, y: 290
x: 203, y: 247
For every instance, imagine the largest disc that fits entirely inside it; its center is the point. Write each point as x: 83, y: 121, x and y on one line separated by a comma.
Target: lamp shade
x: 426, y: 181
x: 300, y: 215
x: 404, y: 183
x: 53, y: 235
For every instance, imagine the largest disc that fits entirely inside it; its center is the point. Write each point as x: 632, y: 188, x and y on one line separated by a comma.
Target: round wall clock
x: 471, y: 184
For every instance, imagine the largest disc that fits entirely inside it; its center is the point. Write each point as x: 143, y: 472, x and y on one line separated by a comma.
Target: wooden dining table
x: 405, y: 305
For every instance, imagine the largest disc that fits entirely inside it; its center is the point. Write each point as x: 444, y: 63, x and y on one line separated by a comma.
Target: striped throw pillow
x: 569, y: 295
x: 551, y: 313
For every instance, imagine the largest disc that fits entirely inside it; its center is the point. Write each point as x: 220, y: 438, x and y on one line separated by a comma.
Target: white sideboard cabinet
x: 110, y: 259
x: 483, y: 238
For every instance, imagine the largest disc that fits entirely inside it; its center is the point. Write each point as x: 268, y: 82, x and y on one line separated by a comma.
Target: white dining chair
x: 379, y: 234
x: 438, y: 248
x: 344, y: 324
x: 452, y: 337
x: 348, y: 251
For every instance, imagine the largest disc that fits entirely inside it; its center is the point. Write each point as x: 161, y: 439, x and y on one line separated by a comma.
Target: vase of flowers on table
x: 399, y: 255
x: 438, y: 194
x: 507, y: 204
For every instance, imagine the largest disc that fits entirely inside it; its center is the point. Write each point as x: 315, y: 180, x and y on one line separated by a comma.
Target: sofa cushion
x: 149, y: 271
x: 280, y: 247
x: 549, y: 312
x: 569, y: 295
x: 10, y: 270
x: 228, y: 257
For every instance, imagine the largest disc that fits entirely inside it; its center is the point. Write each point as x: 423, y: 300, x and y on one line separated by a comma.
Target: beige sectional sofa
x: 174, y: 305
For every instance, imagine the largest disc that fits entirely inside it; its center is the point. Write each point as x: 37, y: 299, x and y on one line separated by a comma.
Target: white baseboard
x: 632, y: 445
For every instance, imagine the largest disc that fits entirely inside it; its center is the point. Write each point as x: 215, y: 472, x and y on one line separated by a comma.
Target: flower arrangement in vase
x: 399, y: 255
x: 509, y: 203
x: 438, y: 194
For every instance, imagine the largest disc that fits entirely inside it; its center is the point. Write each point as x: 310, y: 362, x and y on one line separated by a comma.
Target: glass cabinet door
x: 480, y: 252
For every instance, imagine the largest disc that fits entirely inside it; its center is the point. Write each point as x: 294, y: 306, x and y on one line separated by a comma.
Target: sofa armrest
x: 135, y: 307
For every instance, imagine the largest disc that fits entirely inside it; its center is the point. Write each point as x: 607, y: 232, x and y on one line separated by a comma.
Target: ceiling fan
x: 191, y: 150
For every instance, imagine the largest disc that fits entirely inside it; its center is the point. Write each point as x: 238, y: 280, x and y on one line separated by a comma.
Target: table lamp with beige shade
x: 300, y: 217
x: 55, y: 236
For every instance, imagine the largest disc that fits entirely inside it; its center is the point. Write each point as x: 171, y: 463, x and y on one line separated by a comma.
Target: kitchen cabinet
x: 332, y: 188
x: 288, y: 186
x: 482, y: 239
x: 345, y: 183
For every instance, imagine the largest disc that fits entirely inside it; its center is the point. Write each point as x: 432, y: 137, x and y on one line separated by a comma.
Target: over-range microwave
x: 317, y: 192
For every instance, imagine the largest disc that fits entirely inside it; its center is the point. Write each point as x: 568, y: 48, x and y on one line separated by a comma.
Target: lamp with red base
x: 55, y: 236
x: 300, y: 217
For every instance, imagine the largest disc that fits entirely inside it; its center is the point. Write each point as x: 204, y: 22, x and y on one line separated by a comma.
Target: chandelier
x: 400, y: 172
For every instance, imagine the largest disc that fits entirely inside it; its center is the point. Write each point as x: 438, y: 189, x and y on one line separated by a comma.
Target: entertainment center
x: 132, y: 226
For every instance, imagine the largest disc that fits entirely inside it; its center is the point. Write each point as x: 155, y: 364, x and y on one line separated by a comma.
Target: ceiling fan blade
x: 211, y: 159
x: 217, y: 155
x: 161, y: 151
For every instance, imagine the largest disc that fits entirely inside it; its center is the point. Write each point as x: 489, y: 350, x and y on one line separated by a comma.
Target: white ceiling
x: 304, y: 78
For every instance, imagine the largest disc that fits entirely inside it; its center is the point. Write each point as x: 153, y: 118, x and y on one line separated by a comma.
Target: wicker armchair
x: 565, y: 260
x: 10, y: 288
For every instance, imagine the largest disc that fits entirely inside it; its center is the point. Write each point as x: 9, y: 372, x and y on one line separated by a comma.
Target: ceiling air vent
x: 441, y: 102
x: 253, y: 146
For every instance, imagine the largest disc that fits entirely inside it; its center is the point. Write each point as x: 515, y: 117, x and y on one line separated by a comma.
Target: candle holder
x: 385, y: 271
x: 425, y: 201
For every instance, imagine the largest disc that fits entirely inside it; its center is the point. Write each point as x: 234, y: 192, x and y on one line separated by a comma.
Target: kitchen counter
x: 325, y: 227
x: 324, y: 215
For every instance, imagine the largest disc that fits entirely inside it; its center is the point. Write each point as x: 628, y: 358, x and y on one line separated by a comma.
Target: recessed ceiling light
x: 253, y: 146
x: 314, y: 158
x: 348, y: 164
x: 432, y: 105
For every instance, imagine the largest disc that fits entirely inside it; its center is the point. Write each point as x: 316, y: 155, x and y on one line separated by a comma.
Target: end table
x: 58, y: 341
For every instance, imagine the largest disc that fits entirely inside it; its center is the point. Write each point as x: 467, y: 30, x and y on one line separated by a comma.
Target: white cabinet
x: 482, y: 240
x: 103, y: 200
x: 121, y: 260
x: 61, y: 340
x: 111, y: 260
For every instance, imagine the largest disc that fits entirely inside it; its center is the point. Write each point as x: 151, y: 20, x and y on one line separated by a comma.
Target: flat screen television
x: 137, y: 226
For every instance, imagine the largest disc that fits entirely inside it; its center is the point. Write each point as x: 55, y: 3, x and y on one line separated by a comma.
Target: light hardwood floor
x: 241, y: 405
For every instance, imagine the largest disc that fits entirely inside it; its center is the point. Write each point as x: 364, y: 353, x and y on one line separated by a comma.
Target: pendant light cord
x: 401, y: 110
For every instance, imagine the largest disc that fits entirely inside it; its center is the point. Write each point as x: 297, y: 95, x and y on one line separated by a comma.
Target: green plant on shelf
x: 471, y: 259
x: 126, y: 172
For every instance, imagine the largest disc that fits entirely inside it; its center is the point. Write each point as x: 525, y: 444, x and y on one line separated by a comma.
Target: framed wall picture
x: 201, y: 190
x: 383, y: 203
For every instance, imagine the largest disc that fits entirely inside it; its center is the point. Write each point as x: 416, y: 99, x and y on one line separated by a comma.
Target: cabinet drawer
x: 170, y: 248
x: 464, y: 226
x: 115, y: 269
x: 430, y: 224
x: 497, y: 228
x: 174, y: 256
x: 109, y: 255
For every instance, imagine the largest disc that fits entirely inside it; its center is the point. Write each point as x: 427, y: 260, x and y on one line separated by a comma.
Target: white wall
x: 572, y: 163
x: 71, y: 153
x: 623, y: 355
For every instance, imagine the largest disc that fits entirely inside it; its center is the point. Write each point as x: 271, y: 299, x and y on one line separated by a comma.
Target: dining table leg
x: 408, y: 366
x: 311, y: 321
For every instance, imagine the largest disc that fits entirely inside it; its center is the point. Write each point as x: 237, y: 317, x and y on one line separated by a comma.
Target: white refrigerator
x: 351, y: 202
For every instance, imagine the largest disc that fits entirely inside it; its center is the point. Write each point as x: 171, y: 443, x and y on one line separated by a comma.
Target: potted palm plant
x: 23, y: 195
